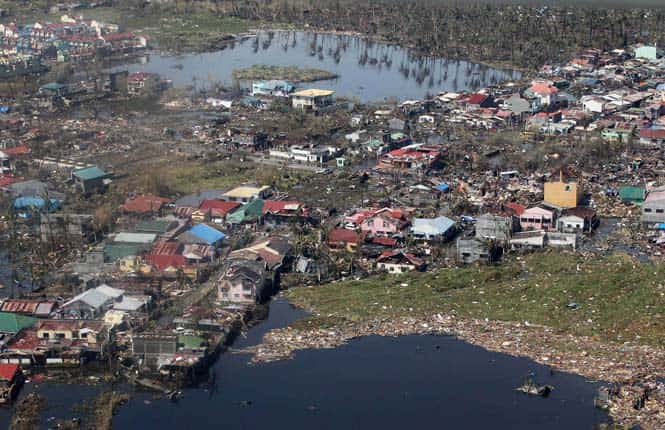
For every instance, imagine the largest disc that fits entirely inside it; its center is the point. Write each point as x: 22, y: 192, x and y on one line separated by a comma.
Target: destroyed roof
x: 52, y: 325
x: 144, y: 204
x: 218, y: 207
x: 278, y: 206
x: 399, y: 255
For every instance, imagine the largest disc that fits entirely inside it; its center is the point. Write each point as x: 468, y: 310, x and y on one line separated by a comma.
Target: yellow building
x: 563, y: 193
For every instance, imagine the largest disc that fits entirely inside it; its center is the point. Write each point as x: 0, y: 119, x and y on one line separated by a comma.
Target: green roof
x: 248, y: 212
x: 13, y: 323
x: 52, y: 86
x: 190, y: 342
x: 635, y: 194
x: 88, y: 173
x: 118, y: 251
x: 156, y: 226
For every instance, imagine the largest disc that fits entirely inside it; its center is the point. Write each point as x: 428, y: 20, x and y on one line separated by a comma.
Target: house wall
x: 379, y: 225
x: 494, y: 227
x: 653, y: 212
x: 570, y: 224
x: 395, y: 268
x: 91, y: 337
x: 236, y: 291
x: 563, y: 194
x: 533, y: 221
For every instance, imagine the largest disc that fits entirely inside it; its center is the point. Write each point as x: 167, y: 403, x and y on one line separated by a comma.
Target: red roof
x: 144, y: 204
x: 8, y: 371
x: 653, y: 133
x: 544, y: 89
x: 218, y: 207
x: 516, y: 207
x: 17, y: 150
x: 8, y: 180
x: 476, y: 99
x: 343, y: 236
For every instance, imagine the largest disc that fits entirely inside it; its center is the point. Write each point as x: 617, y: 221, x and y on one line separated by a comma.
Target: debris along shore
x: 293, y: 74
x: 636, y: 369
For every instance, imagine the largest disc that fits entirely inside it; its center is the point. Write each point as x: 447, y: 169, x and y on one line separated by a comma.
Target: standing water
x: 367, y: 70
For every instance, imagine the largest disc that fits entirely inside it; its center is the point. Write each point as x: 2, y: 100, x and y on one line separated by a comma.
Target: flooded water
x: 367, y: 70
x: 372, y: 382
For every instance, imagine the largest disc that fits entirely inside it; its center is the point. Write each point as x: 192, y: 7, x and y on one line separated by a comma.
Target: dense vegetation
x: 488, y: 31
x: 611, y: 297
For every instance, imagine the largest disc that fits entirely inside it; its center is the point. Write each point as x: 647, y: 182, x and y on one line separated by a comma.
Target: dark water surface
x: 373, y: 382
x: 367, y: 70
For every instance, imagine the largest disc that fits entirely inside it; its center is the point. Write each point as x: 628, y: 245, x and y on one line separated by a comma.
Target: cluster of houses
x: 25, y: 49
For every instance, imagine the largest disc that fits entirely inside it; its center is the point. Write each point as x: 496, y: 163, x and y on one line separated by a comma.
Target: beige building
x: 563, y: 192
x: 312, y: 99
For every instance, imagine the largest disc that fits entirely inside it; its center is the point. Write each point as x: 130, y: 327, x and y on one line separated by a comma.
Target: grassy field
x: 288, y: 73
x: 180, y: 177
x: 617, y: 299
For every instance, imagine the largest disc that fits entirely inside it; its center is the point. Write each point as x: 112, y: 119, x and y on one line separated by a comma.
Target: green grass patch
x: 618, y: 299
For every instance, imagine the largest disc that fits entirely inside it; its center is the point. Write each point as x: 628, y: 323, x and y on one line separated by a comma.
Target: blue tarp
x: 35, y: 203
x: 443, y: 187
x: 4, y: 109
x: 208, y: 234
x: 660, y: 226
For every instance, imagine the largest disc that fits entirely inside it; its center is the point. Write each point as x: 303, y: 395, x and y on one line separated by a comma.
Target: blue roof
x: 207, y: 234
x: 88, y: 173
x: 4, y: 109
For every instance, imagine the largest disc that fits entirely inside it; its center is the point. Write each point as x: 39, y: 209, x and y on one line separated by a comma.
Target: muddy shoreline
x: 634, y: 371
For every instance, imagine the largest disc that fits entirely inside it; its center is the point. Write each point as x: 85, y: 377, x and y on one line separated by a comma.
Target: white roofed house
x: 91, y: 304
x: 433, y: 229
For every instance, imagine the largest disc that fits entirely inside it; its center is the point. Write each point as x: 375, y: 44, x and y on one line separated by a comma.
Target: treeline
x: 490, y: 31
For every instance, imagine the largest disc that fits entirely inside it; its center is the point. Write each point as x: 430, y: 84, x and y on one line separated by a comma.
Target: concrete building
x: 312, y: 99
x: 495, y: 227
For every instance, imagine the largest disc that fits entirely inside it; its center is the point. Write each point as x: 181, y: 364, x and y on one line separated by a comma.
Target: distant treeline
x: 492, y: 31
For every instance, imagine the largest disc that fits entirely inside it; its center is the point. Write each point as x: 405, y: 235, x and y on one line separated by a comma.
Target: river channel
x: 367, y: 70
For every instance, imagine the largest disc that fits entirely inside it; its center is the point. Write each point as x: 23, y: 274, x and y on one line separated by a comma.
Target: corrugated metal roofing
x: 88, y: 173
